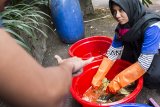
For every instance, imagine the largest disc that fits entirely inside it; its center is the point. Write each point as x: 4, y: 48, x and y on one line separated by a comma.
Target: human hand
x: 125, y: 77
x: 76, y: 62
x: 103, y: 69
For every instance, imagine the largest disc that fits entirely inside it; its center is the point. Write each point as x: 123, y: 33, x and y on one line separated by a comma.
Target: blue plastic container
x: 67, y: 16
x: 132, y: 105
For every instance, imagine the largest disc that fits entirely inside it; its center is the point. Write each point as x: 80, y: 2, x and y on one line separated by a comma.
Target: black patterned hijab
x: 137, y: 15
x: 133, y: 8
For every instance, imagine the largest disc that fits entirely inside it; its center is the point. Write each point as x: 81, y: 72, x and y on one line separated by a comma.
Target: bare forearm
x: 24, y: 82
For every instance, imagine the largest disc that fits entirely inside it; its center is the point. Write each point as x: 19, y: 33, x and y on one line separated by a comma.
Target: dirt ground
x: 101, y: 23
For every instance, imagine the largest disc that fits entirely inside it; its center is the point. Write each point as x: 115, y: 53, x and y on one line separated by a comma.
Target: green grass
x: 22, y: 17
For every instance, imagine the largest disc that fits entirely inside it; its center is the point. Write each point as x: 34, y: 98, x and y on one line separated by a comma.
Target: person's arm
x: 150, y: 47
x: 103, y: 69
x: 114, y: 52
x: 124, y: 78
x: 25, y: 83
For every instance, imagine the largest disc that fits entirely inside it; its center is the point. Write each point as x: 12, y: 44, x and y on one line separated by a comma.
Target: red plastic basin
x: 94, y: 46
x: 81, y: 83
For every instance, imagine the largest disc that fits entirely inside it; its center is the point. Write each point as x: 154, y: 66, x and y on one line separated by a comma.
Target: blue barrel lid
x: 132, y: 105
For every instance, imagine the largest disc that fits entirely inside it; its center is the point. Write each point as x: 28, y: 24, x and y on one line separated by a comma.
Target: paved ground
x: 104, y: 3
x: 103, y: 26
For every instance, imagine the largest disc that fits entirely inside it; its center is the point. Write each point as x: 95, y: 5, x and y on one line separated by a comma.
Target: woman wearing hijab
x: 137, y: 40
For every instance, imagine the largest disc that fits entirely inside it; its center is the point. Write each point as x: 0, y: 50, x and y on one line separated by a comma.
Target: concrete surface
x: 103, y: 26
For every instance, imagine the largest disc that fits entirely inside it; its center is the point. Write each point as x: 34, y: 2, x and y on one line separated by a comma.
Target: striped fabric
x: 114, y: 53
x: 145, y: 60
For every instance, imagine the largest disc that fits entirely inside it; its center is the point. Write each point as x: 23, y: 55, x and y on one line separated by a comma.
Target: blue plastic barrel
x: 67, y: 16
x: 132, y: 105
